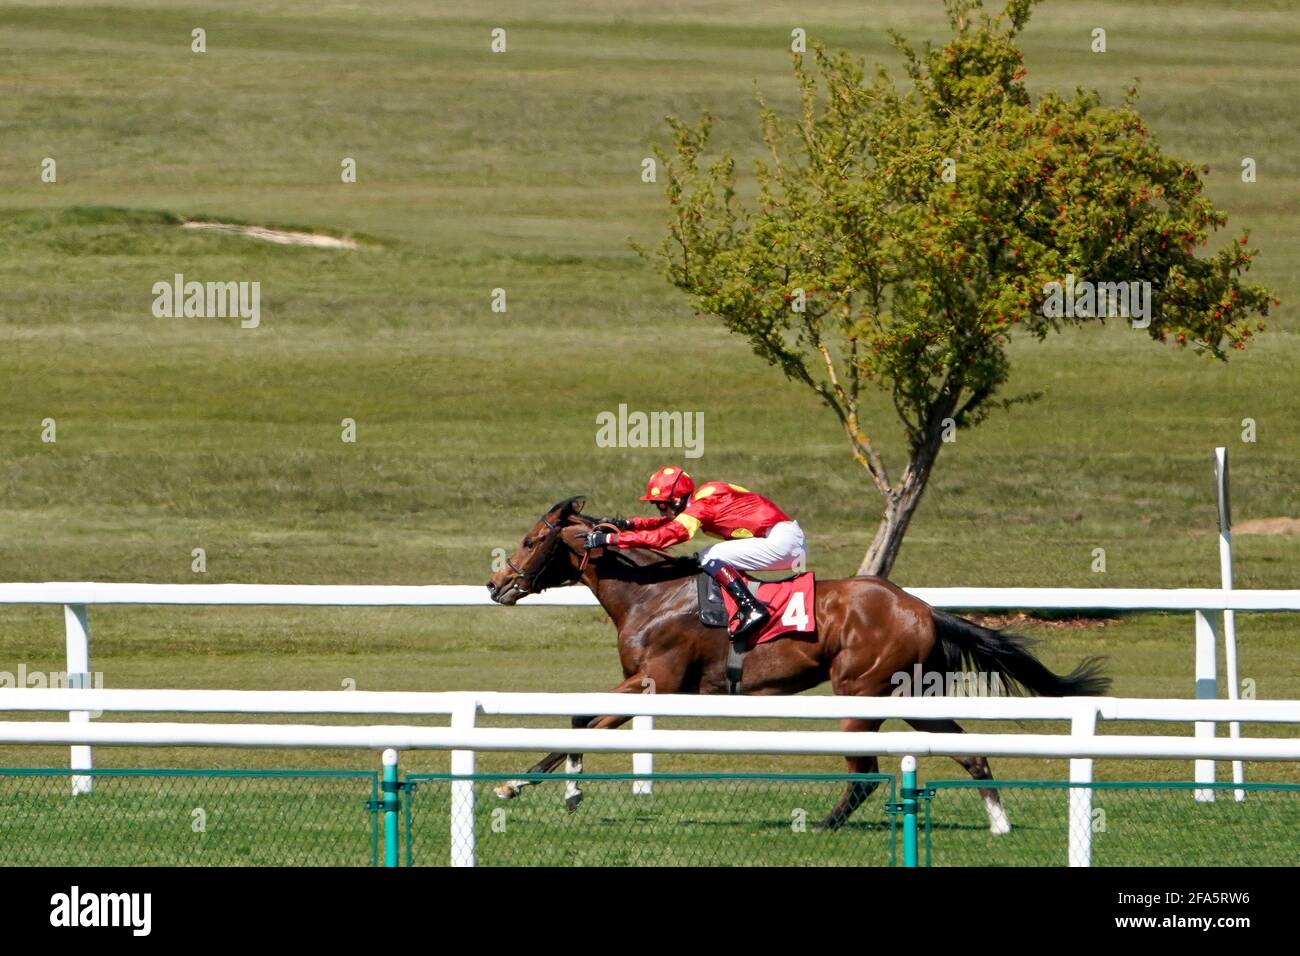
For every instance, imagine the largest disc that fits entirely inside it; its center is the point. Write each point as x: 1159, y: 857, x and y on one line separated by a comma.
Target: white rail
x: 825, y: 743
x: 464, y: 739
x: 473, y: 595
x: 504, y: 703
x: 1207, y: 604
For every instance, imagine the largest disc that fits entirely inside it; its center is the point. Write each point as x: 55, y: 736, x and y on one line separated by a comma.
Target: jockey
x: 758, y: 535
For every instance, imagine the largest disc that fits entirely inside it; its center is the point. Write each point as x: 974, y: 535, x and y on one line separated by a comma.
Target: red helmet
x: 668, y: 484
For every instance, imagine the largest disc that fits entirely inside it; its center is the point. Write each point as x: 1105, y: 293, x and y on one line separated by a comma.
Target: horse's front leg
x: 512, y: 788
x: 572, y: 762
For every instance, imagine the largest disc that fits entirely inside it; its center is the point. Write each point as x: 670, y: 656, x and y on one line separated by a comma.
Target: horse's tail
x: 962, y: 642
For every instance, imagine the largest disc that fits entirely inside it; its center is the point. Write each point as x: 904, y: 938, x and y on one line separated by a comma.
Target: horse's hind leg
x: 857, y: 790
x: 512, y: 788
x: 573, y: 762
x: 978, y: 768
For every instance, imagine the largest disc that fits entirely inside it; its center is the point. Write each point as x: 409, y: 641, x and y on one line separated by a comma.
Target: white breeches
x: 784, y: 548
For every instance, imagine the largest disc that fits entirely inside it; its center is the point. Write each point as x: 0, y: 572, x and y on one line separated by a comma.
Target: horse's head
x: 547, y: 557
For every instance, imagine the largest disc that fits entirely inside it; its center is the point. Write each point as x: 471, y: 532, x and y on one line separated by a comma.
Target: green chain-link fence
x: 1131, y: 824
x: 189, y: 818
x: 688, y: 820
x: 328, y: 818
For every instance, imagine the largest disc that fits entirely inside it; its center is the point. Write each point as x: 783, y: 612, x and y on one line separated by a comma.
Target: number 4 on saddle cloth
x: 791, y: 601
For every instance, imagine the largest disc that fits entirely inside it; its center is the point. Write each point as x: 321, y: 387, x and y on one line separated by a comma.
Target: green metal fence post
x: 409, y: 788
x: 929, y: 850
x: 392, y: 808
x: 909, y: 812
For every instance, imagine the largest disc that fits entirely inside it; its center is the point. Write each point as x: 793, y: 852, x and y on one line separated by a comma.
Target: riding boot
x: 752, y: 613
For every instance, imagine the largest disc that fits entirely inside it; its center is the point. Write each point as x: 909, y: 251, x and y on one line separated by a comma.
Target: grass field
x: 243, y: 817
x: 521, y: 171
x: 190, y: 817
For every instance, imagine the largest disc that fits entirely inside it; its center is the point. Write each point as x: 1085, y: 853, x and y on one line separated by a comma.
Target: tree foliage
x: 861, y: 265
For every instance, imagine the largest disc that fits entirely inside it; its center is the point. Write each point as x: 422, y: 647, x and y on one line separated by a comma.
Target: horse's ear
x: 569, y: 506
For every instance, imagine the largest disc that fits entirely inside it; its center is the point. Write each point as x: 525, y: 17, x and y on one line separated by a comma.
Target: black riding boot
x: 753, y: 614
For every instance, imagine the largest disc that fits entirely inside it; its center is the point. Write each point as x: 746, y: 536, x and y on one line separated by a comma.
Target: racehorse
x: 868, y: 630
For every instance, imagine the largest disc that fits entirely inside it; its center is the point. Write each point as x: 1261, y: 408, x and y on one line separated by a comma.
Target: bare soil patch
x: 283, y: 237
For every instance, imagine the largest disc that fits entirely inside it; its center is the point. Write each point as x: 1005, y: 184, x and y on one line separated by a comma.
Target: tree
x: 900, y: 237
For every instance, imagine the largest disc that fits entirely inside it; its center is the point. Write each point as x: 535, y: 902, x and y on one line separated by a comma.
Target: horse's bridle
x: 524, y: 580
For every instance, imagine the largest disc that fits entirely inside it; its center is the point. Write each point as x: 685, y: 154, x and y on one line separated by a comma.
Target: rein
x: 553, y: 539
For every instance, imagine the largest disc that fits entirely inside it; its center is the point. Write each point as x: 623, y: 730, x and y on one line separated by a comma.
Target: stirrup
x: 755, y: 618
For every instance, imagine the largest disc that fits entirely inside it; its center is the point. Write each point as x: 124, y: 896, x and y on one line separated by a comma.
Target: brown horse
x: 868, y: 630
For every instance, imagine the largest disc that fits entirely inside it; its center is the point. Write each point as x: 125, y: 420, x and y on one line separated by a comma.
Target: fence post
x: 643, y: 763
x: 909, y: 812
x: 1230, y: 661
x: 1229, y: 616
x: 1079, y: 816
x: 464, y: 713
x: 1207, y: 688
x: 77, y: 636
x: 392, y: 808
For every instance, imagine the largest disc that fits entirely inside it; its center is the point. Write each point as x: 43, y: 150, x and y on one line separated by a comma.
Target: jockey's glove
x: 597, y: 539
x: 622, y: 524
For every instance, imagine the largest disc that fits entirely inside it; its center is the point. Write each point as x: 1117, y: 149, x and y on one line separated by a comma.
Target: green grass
x: 521, y: 172
x: 1132, y: 824
x: 724, y: 820
x: 189, y: 818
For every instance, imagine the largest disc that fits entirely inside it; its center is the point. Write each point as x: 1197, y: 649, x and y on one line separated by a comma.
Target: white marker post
x: 643, y: 764
x: 464, y: 715
x: 1207, y: 688
x: 77, y: 642
x: 1079, y: 819
x: 1229, y: 621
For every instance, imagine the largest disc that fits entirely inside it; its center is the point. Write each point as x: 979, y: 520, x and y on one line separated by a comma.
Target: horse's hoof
x: 1000, y: 827
x: 573, y: 801
x: 507, y: 791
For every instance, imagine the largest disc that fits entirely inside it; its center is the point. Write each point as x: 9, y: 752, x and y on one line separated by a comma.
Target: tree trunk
x: 880, y: 557
x: 900, y: 505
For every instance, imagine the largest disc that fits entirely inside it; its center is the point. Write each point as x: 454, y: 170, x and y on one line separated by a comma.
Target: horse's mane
x: 633, y: 564
x: 642, y: 564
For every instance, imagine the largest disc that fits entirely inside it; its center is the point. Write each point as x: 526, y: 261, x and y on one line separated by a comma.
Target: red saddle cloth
x: 791, y: 602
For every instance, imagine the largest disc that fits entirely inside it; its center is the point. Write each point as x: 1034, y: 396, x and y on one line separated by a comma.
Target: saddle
x: 713, y: 613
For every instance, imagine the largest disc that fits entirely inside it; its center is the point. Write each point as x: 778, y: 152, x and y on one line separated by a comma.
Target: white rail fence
x: 464, y: 738
x: 1208, y: 605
